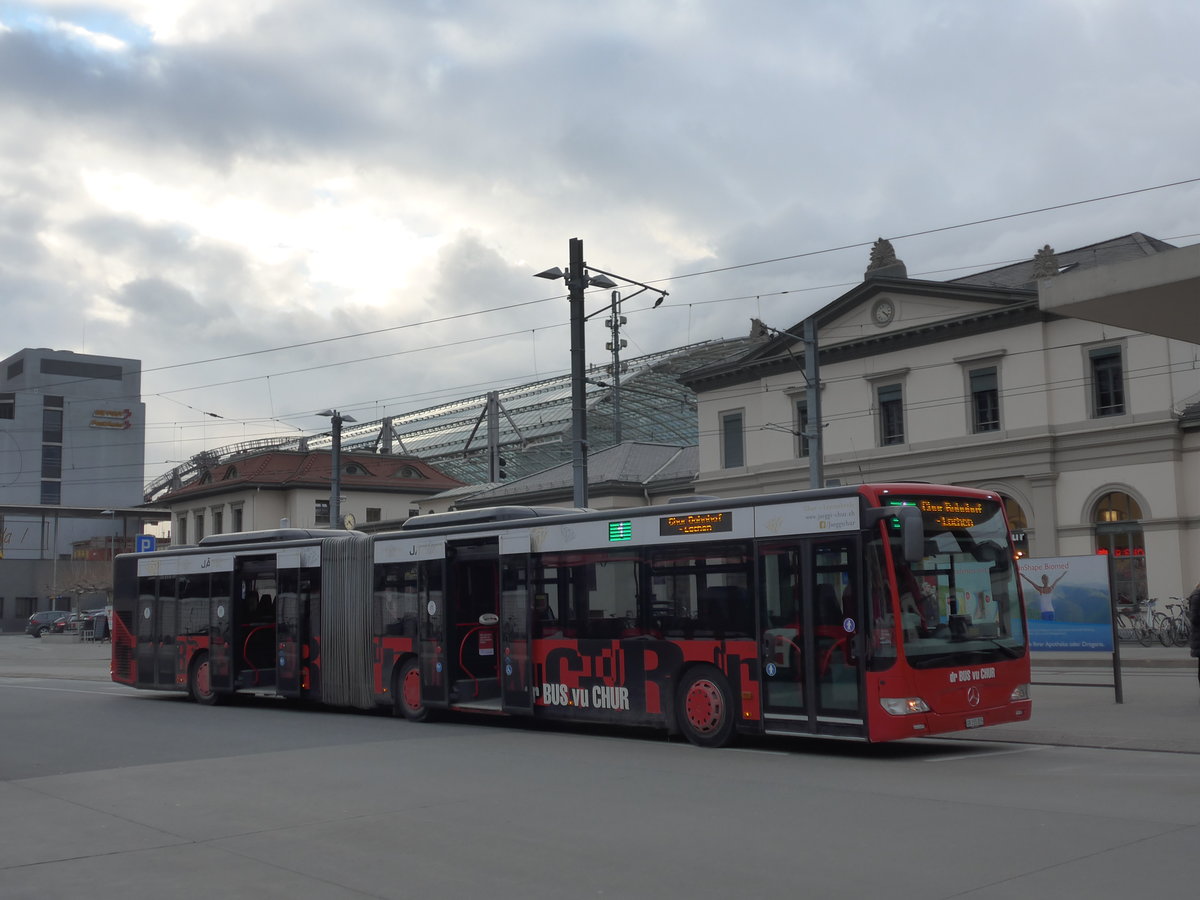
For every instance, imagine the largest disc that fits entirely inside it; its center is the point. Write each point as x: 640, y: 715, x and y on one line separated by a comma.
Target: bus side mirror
x: 912, y: 533
x: 912, y: 529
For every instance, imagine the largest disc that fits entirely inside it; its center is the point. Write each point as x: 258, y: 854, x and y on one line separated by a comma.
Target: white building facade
x: 1090, y: 431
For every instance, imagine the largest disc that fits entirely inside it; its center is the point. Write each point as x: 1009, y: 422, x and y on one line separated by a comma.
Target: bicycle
x: 1159, y: 624
x: 1132, y: 624
x: 1181, y: 623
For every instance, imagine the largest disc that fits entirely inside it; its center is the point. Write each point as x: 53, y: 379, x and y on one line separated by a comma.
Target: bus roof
x: 488, y: 514
x: 272, y: 535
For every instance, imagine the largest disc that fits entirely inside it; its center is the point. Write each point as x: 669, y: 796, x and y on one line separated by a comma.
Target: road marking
x: 31, y: 687
x: 1026, y: 749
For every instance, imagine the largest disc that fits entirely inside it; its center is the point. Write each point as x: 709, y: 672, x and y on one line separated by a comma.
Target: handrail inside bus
x: 462, y: 649
x: 246, y: 647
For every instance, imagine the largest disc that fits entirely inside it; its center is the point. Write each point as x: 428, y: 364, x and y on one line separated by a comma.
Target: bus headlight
x: 904, y: 706
x: 1020, y: 692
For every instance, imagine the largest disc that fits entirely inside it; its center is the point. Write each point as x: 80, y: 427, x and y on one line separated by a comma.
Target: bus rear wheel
x: 200, y: 682
x: 704, y: 707
x: 406, y: 693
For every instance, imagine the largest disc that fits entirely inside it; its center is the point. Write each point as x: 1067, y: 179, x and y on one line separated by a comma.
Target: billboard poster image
x: 1068, y: 602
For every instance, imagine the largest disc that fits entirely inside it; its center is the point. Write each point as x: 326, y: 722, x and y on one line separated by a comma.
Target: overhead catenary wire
x: 233, y: 418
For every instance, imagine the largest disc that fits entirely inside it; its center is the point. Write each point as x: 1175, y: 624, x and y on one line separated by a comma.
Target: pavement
x: 1075, y: 696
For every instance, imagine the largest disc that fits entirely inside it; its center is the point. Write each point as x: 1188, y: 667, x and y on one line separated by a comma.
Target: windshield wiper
x: 1008, y: 651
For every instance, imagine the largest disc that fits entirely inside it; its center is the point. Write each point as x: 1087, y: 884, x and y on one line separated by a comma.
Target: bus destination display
x: 949, y: 512
x: 696, y: 523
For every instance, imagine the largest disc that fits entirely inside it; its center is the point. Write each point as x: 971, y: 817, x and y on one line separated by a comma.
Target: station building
x: 1089, y: 429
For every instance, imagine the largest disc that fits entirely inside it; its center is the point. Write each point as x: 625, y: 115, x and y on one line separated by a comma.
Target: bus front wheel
x: 406, y: 693
x: 200, y: 682
x: 704, y: 707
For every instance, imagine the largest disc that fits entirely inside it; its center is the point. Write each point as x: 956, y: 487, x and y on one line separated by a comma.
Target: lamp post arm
x: 642, y: 285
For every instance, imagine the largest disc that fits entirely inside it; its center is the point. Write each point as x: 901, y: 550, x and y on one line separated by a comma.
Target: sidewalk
x: 1074, y: 701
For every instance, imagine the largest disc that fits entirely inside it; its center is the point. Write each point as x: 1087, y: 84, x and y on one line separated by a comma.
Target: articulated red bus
x: 870, y: 612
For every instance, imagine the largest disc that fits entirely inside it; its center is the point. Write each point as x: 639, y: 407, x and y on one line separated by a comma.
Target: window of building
x: 1108, y: 382
x: 52, y: 426
x: 1119, y: 536
x: 985, y: 400
x: 25, y: 607
x: 891, y: 414
x: 733, y: 440
x: 374, y: 514
x: 181, y: 529
x: 199, y: 517
x: 52, y: 461
x: 8, y: 405
x: 236, y: 512
x: 321, y: 512
x: 218, y: 520
x: 1018, y: 525
x: 51, y: 493
x: 802, y: 428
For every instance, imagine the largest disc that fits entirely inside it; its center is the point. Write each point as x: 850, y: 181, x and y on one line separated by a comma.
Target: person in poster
x: 1045, y: 590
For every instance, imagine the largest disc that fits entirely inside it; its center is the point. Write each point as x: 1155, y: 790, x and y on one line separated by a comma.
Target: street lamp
x: 335, y: 486
x: 578, y: 280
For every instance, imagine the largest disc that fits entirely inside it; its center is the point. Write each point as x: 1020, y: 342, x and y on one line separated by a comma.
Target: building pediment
x: 879, y: 312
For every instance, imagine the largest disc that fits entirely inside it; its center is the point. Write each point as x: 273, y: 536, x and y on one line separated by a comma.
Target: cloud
x: 232, y: 183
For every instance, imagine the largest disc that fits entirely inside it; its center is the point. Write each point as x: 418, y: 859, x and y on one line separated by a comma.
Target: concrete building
x: 1090, y: 430
x: 72, y: 437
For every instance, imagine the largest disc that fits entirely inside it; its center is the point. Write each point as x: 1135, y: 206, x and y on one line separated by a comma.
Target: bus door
x: 255, y: 585
x: 812, y: 670
x: 473, y: 623
x: 222, y: 670
x: 290, y: 633
x: 156, y: 651
x: 516, y: 613
x: 432, y: 634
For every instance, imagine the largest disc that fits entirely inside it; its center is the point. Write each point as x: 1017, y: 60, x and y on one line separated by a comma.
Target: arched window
x: 1018, y: 525
x: 1116, y: 518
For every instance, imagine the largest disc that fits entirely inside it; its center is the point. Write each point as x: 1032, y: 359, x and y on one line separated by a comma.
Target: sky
x: 286, y: 206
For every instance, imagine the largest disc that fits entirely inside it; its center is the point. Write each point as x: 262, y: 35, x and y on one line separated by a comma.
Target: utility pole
x: 577, y: 282
x: 617, y: 344
x: 812, y: 375
x: 495, y: 470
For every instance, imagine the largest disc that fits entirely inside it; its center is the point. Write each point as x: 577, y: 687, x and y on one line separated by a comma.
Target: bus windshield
x: 959, y: 605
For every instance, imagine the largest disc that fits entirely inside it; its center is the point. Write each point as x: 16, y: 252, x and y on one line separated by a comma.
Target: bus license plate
x: 974, y: 721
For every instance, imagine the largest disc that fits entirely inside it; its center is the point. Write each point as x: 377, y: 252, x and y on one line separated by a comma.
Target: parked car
x: 65, y: 624
x: 41, y: 622
x: 93, y: 619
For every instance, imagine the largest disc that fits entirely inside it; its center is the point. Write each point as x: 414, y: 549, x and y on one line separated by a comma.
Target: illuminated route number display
x: 949, y: 513
x: 696, y: 523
